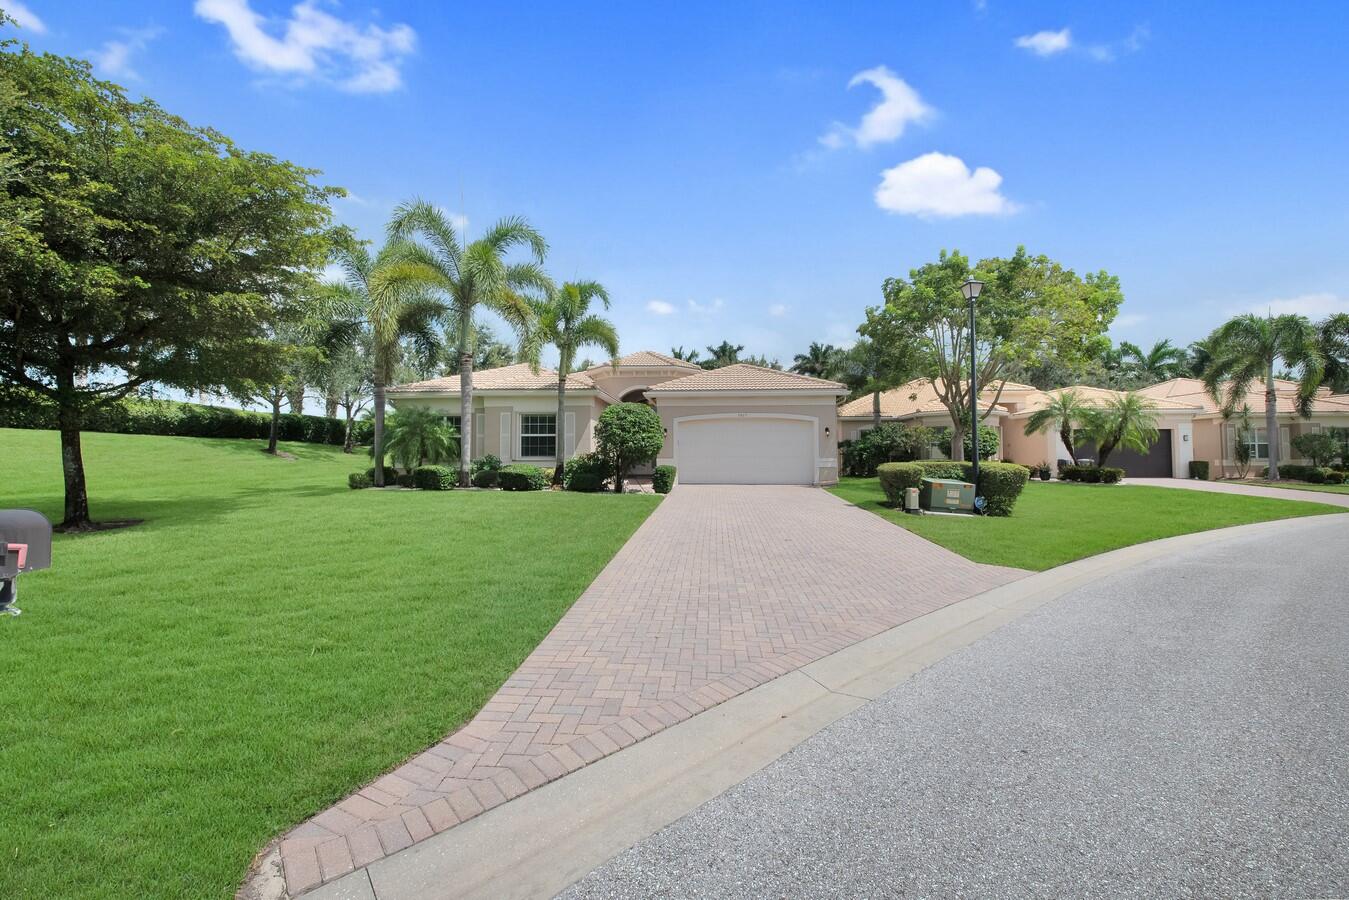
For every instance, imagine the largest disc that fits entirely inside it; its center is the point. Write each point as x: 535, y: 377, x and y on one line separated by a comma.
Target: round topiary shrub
x: 663, y: 479
x: 585, y: 483
x: 1000, y: 484
x: 485, y: 478
x: 897, y: 477
x: 359, y: 481
x: 627, y: 435
x: 522, y: 477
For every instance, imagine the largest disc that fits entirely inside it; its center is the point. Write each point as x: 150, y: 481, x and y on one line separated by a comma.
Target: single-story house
x: 1215, y: 439
x: 740, y: 424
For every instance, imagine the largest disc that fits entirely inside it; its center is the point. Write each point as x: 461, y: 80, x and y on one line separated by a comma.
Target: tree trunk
x: 330, y: 401
x: 348, y: 409
x: 72, y: 460
x: 957, y: 437
x: 618, y: 475
x: 1272, y: 423
x: 276, y: 420
x: 377, y: 444
x: 295, y: 397
x: 1066, y: 435
x: 558, y: 429
x: 875, y: 409
x: 465, y: 413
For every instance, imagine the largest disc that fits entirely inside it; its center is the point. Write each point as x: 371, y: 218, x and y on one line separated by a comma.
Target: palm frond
x: 514, y: 231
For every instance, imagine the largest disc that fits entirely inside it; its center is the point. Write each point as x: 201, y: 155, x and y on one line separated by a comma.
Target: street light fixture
x: 970, y: 290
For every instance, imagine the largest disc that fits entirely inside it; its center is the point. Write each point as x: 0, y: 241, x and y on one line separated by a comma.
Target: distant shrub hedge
x: 359, y: 480
x: 25, y: 409
x: 1092, y: 474
x: 1000, y: 484
x: 663, y: 479
x: 434, y: 478
x: 1199, y: 469
x: 522, y: 477
x: 590, y: 468
x: 390, y: 475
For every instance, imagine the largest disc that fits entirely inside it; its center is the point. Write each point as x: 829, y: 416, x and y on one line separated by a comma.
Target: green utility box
x: 946, y: 496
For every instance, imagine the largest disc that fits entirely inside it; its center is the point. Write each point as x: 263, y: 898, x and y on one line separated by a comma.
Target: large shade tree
x: 1031, y: 308
x: 564, y: 320
x: 1246, y: 350
x: 137, y: 249
x: 874, y: 365
x: 470, y: 277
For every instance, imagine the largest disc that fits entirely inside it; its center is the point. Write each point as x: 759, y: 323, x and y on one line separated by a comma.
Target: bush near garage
x: 888, y: 442
x: 434, y: 478
x: 1000, y: 484
x: 663, y: 479
x: 1199, y: 469
x: 627, y: 435
x: 523, y: 477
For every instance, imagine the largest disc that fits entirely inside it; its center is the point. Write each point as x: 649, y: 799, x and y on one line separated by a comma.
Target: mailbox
x: 952, y: 496
x: 25, y: 546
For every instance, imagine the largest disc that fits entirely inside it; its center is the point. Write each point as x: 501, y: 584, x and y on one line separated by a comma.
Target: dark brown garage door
x: 1156, y: 463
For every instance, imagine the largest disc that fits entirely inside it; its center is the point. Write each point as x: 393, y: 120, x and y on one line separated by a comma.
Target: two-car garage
x: 745, y: 449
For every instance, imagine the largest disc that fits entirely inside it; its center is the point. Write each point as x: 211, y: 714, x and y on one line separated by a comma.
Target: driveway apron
x: 723, y: 588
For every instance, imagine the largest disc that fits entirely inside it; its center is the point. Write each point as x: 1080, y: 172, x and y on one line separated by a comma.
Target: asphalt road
x: 1178, y: 730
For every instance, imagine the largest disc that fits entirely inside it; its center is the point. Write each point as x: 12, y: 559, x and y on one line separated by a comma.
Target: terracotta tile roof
x: 1192, y: 392
x: 518, y: 377
x: 1091, y: 394
x: 745, y: 377
x: 919, y: 397
x: 649, y: 359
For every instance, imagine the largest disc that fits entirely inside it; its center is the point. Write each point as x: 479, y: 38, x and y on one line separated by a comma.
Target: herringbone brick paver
x: 722, y: 589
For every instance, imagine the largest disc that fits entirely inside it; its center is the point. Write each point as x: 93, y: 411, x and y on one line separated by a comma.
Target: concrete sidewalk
x: 1248, y: 490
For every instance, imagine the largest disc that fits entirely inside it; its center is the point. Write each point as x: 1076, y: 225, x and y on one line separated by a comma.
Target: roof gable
x: 746, y: 377
x: 517, y: 377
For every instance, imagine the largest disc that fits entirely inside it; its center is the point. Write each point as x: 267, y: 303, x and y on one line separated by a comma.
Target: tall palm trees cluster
x: 426, y: 288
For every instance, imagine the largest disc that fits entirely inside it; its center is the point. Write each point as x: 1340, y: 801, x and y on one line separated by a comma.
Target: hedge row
x: 1091, y: 474
x: 434, y: 478
x: 1000, y: 484
x: 24, y: 409
x: 523, y: 477
x: 1310, y: 474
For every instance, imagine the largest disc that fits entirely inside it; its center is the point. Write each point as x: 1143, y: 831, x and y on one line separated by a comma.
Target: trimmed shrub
x: 1000, y: 484
x: 627, y: 435
x: 1199, y: 469
x: 890, y: 442
x: 434, y: 478
x: 486, y: 478
x: 1321, y: 447
x: 1334, y: 476
x: 1083, y: 474
x: 589, y: 466
x: 359, y: 480
x: 522, y: 477
x: 585, y: 483
x: 1111, y: 475
x: 487, y: 463
x: 390, y: 475
x: 896, y: 477
x: 663, y: 479
x: 1313, y: 475
x: 406, y: 480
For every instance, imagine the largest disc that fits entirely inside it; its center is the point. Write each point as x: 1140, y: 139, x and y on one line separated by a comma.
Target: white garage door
x: 745, y: 450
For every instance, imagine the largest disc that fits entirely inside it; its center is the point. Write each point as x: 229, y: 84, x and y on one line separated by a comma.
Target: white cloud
x: 936, y: 185
x: 1128, y: 320
x: 659, y: 307
x: 315, y: 45
x: 25, y: 17
x: 1046, y: 43
x: 1313, y: 306
x: 114, y: 58
x: 777, y: 310
x: 899, y: 105
x: 705, y: 309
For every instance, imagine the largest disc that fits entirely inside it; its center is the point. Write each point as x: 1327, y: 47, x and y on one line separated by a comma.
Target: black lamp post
x: 970, y: 291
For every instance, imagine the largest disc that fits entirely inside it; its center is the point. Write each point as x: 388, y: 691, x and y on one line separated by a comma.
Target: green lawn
x: 1056, y: 523
x: 1294, y: 485
x: 178, y: 693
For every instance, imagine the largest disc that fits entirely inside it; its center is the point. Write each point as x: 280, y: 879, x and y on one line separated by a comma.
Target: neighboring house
x: 1215, y: 438
x: 740, y: 424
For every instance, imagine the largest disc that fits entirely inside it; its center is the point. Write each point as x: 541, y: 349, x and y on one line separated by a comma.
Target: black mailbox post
x: 25, y: 545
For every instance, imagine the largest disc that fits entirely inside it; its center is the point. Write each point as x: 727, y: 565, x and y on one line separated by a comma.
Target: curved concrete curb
x: 543, y: 841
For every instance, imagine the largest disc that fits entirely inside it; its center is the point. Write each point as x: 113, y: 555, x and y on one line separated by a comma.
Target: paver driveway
x: 722, y: 589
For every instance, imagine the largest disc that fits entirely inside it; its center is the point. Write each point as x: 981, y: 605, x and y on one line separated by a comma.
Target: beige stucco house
x: 740, y: 424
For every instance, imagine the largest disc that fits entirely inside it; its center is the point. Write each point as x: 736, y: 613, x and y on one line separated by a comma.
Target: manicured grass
x: 1056, y: 523
x: 1294, y: 485
x: 178, y: 693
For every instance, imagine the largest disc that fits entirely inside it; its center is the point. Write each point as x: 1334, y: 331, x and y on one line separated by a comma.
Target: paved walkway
x: 1177, y: 729
x: 722, y: 589
x: 1250, y: 490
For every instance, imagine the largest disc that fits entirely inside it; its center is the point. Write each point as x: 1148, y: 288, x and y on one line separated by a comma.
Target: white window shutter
x: 479, y: 423
x: 569, y: 436
x: 1285, y: 450
x: 505, y: 437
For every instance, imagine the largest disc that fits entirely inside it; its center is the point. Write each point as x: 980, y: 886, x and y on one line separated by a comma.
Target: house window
x: 538, y: 436
x: 453, y: 422
x: 1257, y: 441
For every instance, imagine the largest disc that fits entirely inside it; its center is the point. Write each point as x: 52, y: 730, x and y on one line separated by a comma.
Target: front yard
x: 179, y: 692
x: 1291, y: 485
x: 1055, y: 523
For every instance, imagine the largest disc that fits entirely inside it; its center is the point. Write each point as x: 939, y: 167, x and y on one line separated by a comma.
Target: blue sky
x: 710, y: 163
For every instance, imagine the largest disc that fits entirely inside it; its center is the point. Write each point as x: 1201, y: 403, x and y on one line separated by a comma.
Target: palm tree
x: 727, y: 354
x: 1157, y: 364
x: 686, y: 355
x: 1198, y: 356
x: 1334, y: 340
x: 418, y: 436
x: 1245, y: 351
x: 1065, y: 412
x: 1128, y: 420
x: 470, y: 276
x: 391, y: 312
x: 820, y: 361
x: 565, y: 321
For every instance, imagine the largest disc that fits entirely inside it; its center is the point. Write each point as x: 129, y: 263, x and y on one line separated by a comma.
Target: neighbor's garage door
x: 745, y: 450
x: 1156, y: 463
